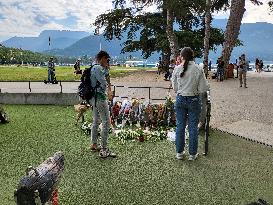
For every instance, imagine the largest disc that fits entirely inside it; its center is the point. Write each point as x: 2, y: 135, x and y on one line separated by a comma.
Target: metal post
x: 207, y: 123
x: 61, y: 86
x: 149, y: 94
x: 29, y: 86
x: 114, y: 91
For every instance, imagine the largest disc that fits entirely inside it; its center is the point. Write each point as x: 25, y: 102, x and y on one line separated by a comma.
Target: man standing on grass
x: 77, y: 67
x: 50, y: 71
x: 101, y: 82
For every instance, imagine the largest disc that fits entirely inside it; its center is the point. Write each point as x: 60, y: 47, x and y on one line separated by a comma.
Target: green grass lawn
x: 234, y: 172
x: 12, y: 73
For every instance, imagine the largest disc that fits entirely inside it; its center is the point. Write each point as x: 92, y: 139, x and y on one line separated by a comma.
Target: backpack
x: 86, y: 91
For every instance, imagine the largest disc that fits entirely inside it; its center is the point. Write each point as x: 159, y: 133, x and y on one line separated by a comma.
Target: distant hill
x: 256, y: 37
x: 90, y: 45
x: 59, y: 39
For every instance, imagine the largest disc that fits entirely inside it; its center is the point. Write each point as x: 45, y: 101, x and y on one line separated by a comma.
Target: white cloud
x: 256, y: 13
x: 252, y: 14
x: 30, y: 17
x: 221, y: 15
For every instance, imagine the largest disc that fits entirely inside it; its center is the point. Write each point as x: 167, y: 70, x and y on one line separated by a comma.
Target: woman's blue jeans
x: 187, y: 109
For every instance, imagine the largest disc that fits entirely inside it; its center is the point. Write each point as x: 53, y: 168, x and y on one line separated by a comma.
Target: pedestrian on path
x: 220, y: 69
x: 243, y: 67
x: 188, y: 82
x: 257, y: 65
x: 171, y: 68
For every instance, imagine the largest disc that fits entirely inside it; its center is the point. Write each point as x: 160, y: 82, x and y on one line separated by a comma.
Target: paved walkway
x: 247, y: 112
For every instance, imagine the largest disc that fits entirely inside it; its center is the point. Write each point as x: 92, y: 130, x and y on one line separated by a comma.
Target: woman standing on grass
x: 188, y: 82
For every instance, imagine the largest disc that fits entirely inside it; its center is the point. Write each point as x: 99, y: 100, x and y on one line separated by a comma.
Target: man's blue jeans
x: 187, y: 108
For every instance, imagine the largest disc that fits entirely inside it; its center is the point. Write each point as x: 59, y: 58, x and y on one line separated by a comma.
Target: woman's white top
x: 192, y: 83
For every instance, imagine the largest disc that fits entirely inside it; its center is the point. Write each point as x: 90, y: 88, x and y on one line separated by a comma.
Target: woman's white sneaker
x: 193, y: 157
x: 180, y: 155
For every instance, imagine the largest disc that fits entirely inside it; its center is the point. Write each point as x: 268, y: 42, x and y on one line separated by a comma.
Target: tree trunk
x: 237, y: 10
x: 170, y: 33
x: 207, y: 36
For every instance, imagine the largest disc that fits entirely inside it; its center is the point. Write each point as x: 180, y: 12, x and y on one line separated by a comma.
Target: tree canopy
x: 17, y: 56
x: 129, y: 20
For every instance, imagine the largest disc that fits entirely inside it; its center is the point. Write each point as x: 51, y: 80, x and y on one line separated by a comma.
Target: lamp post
x: 21, y: 54
x: 97, y: 33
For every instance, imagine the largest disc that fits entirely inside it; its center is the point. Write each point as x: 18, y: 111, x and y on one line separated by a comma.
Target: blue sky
x: 30, y: 17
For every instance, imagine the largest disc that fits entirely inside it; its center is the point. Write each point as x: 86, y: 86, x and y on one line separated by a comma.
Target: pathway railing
x: 30, y: 87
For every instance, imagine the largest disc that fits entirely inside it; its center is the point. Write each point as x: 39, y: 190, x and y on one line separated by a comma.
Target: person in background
x: 178, y: 60
x: 261, y: 65
x: 220, y: 69
x: 243, y: 67
x: 209, y: 66
x: 171, y: 68
x: 101, y: 80
x: 159, y: 66
x: 257, y: 65
x: 77, y: 67
x: 50, y: 71
x: 236, y: 68
x: 188, y: 81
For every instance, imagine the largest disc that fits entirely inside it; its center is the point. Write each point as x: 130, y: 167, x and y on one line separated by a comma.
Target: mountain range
x: 58, y: 39
x: 256, y: 37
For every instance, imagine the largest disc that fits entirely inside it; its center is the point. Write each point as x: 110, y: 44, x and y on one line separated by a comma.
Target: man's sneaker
x: 105, y: 152
x: 193, y: 157
x: 180, y: 155
x: 94, y: 147
x: 240, y: 86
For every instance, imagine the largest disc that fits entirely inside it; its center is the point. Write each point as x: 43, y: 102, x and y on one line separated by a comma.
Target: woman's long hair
x: 187, y: 54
